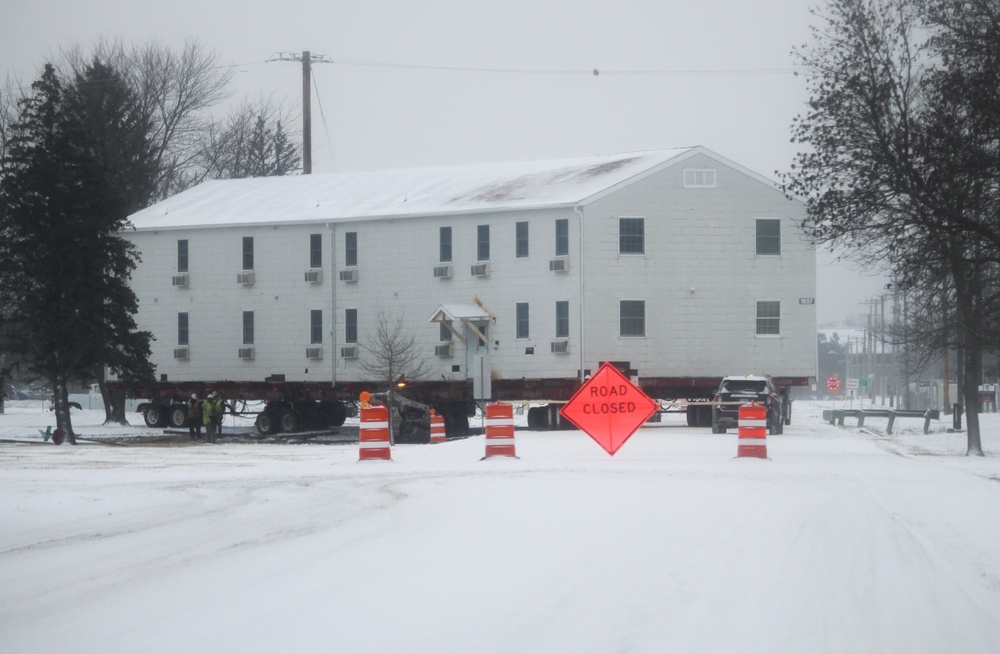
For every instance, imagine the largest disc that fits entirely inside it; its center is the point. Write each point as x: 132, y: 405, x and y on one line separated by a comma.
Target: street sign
x: 609, y: 408
x: 863, y: 383
x: 833, y: 384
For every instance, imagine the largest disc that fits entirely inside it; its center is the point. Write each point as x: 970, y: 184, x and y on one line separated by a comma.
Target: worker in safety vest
x: 194, y: 417
x: 218, y: 408
x: 206, y: 418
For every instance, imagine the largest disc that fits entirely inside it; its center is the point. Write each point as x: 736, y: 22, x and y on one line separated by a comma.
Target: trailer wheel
x: 155, y: 415
x: 289, y: 421
x: 266, y: 424
x: 178, y: 416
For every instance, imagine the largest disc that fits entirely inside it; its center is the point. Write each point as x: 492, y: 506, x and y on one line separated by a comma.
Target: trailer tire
x: 289, y: 421
x: 178, y: 416
x: 266, y: 424
x: 155, y: 415
x: 537, y: 418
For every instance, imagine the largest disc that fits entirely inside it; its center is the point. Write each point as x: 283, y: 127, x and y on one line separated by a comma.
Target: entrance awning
x: 470, y: 314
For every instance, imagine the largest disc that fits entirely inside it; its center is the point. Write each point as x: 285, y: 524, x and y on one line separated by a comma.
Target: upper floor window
x: 768, y: 236
x: 351, y: 249
x: 521, y: 320
x: 350, y: 325
x: 248, y: 328
x: 768, y: 317
x: 316, y: 326
x: 483, y: 243
x: 315, y: 250
x: 521, y: 240
x: 631, y: 235
x: 699, y: 178
x: 562, y: 237
x: 444, y: 334
x: 182, y: 328
x: 182, y: 255
x: 248, y: 253
x: 632, y: 318
x: 562, y: 319
x: 444, y: 244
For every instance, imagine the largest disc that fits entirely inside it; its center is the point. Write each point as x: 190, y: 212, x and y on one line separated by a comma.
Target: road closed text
x: 608, y: 399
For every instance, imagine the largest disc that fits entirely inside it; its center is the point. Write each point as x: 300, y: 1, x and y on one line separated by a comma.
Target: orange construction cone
x: 752, y: 432
x: 499, y: 430
x: 437, y: 428
x: 374, y: 434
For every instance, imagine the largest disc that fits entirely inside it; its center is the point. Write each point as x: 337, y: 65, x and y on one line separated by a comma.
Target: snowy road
x: 843, y: 541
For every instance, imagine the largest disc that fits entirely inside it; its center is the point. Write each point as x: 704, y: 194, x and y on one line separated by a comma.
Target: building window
x: 768, y: 236
x: 351, y: 249
x: 521, y: 240
x: 483, y: 243
x: 521, y: 320
x: 316, y: 326
x: 562, y: 237
x: 350, y: 325
x: 248, y: 327
x: 444, y: 244
x: 248, y: 253
x: 631, y: 236
x: 182, y: 255
x: 182, y: 328
x: 699, y: 178
x: 632, y: 318
x: 562, y: 319
x: 444, y: 334
x: 315, y: 250
x: 768, y: 317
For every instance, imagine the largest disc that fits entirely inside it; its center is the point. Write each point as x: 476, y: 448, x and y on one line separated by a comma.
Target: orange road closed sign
x: 609, y: 408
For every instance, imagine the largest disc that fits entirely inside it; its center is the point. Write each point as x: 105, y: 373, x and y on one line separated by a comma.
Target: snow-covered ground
x: 844, y: 541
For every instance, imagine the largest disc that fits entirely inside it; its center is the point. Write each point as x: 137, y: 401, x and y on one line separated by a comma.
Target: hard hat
x: 193, y: 396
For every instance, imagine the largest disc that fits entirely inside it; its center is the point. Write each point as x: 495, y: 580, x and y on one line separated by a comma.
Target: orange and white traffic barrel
x: 374, y: 434
x: 752, y: 432
x: 499, y: 430
x: 437, y: 428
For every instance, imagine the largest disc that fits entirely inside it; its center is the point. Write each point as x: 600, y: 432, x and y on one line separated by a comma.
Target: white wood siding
x: 701, y: 239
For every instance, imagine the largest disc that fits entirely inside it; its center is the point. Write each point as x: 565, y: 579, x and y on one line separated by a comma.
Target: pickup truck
x: 738, y: 390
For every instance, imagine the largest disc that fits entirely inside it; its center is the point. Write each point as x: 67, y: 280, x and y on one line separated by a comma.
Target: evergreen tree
x: 63, y: 265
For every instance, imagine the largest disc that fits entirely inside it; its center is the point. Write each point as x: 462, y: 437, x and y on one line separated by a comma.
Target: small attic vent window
x: 699, y: 178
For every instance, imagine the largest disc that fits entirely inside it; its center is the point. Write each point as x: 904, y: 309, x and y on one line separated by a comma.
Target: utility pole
x: 307, y: 59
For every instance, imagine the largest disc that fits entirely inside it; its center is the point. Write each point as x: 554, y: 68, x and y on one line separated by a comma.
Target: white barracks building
x: 514, y: 279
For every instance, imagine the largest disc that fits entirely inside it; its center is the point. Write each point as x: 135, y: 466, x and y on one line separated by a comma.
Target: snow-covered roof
x: 406, y: 192
x: 453, y: 312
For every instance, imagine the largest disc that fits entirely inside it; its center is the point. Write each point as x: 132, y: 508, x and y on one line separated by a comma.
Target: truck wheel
x: 266, y: 424
x: 178, y: 416
x: 155, y: 415
x: 289, y: 421
x: 338, y: 414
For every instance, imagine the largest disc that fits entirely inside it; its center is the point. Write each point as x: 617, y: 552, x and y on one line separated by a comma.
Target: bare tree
x: 390, y: 354
x: 252, y: 142
x: 897, y: 165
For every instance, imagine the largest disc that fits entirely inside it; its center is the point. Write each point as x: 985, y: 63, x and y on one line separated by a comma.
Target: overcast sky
x: 422, y: 82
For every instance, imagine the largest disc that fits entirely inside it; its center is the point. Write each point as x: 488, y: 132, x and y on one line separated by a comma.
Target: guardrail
x: 836, y: 416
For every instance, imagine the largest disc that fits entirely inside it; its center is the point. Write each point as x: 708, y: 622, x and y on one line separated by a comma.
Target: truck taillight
x: 717, y: 398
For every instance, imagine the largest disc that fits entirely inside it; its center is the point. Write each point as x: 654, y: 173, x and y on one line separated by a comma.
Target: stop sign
x: 609, y: 408
x: 833, y: 383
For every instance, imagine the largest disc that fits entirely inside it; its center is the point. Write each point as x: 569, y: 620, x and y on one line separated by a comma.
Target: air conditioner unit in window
x: 481, y: 270
x: 349, y: 352
x: 246, y: 353
x: 181, y: 353
x: 314, y: 353
x: 443, y: 272
x: 350, y: 275
x: 443, y: 350
x: 559, y: 265
x: 245, y: 278
x: 560, y: 347
x: 314, y: 276
x: 181, y: 281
